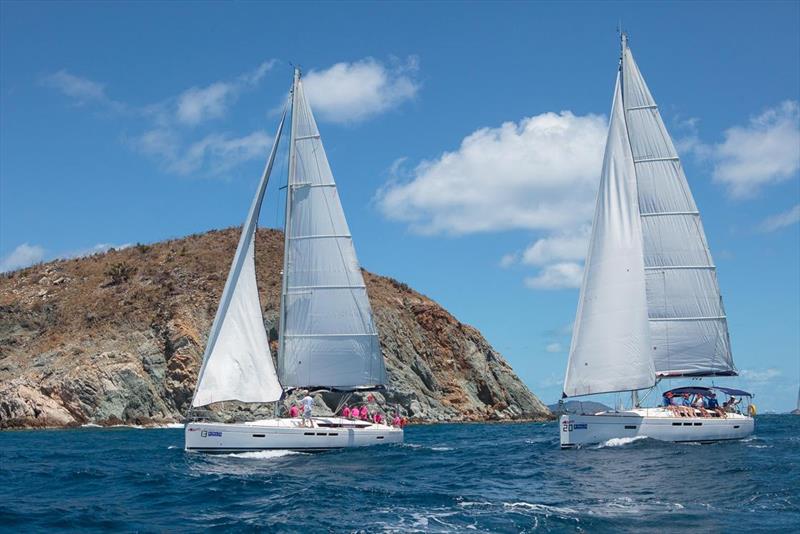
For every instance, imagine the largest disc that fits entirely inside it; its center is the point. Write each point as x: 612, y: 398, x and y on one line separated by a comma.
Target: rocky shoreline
x: 117, y: 339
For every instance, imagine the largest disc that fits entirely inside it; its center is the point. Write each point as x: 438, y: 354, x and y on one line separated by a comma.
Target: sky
x: 466, y: 140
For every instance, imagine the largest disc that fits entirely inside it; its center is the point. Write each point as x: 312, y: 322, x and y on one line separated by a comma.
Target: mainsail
x: 688, y: 327
x: 611, y: 338
x: 650, y: 304
x: 328, y: 337
x: 237, y: 364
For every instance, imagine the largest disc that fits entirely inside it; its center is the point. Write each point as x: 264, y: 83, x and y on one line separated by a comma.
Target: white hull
x: 289, y: 433
x: 654, y: 423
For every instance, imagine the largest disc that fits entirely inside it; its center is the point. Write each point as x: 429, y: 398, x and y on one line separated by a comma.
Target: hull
x: 288, y: 434
x: 654, y: 423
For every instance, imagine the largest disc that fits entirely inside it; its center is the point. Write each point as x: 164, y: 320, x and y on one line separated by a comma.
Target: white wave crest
x: 441, y: 448
x: 619, y: 442
x: 541, y: 508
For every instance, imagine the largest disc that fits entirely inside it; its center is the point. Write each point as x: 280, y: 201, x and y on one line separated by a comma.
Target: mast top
x: 623, y: 40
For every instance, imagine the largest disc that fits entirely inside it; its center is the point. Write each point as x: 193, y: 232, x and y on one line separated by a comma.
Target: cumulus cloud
x: 537, y: 174
x: 352, y: 92
x: 781, y: 220
x: 565, y: 246
x: 554, y: 348
x: 766, y: 150
x: 564, y: 275
x: 23, y: 256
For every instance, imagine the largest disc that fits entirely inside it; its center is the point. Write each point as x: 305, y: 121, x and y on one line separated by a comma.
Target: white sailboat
x: 327, y: 336
x: 650, y: 306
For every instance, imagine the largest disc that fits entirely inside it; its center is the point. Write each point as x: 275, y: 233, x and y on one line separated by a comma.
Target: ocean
x: 445, y: 478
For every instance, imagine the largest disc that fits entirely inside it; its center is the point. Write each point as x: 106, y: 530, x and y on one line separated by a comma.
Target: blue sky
x: 466, y: 140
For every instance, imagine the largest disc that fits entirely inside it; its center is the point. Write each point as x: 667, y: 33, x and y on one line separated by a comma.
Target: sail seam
x: 664, y: 158
x: 673, y: 267
x: 321, y: 236
x: 648, y: 106
x: 304, y: 137
x: 710, y: 318
x: 309, y: 184
x: 303, y: 288
x: 331, y: 335
x: 665, y: 213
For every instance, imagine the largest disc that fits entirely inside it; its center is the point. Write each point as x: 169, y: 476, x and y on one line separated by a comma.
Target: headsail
x: 688, y: 327
x: 611, y: 338
x: 237, y: 364
x: 328, y: 337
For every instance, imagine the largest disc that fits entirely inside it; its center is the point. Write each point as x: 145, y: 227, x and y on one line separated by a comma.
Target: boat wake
x: 619, y: 442
x: 262, y: 455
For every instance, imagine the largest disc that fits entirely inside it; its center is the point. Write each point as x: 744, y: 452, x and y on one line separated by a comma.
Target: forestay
x: 237, y: 364
x: 611, y: 337
x: 328, y: 338
x: 688, y: 328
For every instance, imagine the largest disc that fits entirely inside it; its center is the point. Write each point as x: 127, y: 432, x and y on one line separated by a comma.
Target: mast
x: 287, y: 219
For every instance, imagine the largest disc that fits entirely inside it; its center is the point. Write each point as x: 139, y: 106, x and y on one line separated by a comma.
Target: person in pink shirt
x: 377, y: 418
x: 346, y: 412
x: 293, y: 411
x: 364, y: 413
x: 396, y: 420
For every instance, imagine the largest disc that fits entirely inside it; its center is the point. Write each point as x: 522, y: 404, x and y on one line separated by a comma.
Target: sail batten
x: 688, y: 323
x: 328, y: 335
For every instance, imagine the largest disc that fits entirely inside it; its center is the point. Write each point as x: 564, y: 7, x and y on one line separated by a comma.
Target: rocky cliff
x: 117, y: 338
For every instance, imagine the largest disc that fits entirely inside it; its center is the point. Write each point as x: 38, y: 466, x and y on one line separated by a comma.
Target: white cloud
x: 540, y: 173
x: 781, y: 220
x: 197, y: 104
x: 352, y: 92
x: 554, y: 348
x: 765, y: 151
x: 760, y: 375
x: 24, y: 255
x: 212, y: 155
x: 564, y: 275
x: 567, y: 246
x: 81, y: 89
x: 509, y: 259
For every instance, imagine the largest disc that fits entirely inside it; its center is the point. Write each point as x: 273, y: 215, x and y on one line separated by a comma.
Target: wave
x: 619, y: 442
x: 418, y: 446
x: 541, y: 508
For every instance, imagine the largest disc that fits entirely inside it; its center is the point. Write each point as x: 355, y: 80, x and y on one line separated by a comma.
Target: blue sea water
x: 487, y: 478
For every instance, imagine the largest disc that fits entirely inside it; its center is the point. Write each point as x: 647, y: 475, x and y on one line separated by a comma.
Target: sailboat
x: 650, y: 306
x: 327, y: 335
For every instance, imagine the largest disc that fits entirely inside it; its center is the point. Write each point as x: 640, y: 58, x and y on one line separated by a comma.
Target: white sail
x: 688, y: 328
x: 237, y: 364
x: 611, y: 337
x: 328, y: 337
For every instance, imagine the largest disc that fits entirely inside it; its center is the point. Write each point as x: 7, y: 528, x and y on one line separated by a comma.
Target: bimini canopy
x: 700, y: 390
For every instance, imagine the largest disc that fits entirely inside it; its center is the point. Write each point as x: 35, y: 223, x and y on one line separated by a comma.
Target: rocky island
x: 118, y: 337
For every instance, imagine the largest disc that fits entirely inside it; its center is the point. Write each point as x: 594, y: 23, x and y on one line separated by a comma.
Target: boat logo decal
x: 210, y: 434
x: 569, y: 426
